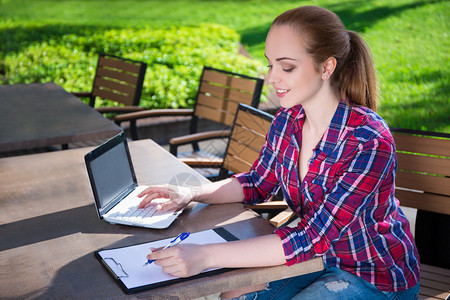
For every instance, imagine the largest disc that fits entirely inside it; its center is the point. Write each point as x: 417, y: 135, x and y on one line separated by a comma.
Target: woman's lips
x: 281, y: 92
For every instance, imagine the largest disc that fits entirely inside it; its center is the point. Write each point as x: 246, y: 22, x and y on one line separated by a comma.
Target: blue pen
x: 181, y: 237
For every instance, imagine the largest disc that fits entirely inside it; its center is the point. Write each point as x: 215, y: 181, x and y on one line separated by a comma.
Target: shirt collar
x: 338, y: 128
x: 296, y: 117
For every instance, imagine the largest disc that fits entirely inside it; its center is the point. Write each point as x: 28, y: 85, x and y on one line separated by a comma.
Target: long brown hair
x: 325, y: 36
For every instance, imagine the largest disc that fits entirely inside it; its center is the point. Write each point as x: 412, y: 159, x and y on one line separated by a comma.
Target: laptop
x: 115, y: 187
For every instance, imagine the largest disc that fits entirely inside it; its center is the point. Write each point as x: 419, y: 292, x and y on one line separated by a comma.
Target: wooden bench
x: 423, y: 182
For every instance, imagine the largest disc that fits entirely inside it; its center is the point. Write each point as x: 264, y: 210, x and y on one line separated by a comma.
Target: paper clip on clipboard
x: 113, y: 273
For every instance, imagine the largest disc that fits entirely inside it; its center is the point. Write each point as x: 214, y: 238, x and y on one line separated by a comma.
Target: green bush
x: 175, y: 56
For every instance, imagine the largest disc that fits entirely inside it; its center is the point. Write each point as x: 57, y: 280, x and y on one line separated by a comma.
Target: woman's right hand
x: 174, y: 199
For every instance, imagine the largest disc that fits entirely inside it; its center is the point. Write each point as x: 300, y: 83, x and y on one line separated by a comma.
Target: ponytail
x: 324, y: 36
x: 356, y: 76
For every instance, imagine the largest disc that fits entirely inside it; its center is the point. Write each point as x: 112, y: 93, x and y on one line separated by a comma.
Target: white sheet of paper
x: 133, y: 258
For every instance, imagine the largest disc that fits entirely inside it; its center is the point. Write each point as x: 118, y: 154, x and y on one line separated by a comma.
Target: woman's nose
x: 272, y: 76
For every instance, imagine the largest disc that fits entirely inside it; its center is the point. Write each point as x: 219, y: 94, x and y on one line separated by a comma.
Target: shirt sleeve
x: 363, y: 174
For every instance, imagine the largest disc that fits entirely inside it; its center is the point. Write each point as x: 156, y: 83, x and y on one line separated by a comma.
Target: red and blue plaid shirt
x: 349, y: 215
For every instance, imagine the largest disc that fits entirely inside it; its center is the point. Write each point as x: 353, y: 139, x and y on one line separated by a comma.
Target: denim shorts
x: 330, y: 283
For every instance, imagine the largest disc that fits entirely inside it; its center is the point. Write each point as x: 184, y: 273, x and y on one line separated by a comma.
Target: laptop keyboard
x: 134, y: 214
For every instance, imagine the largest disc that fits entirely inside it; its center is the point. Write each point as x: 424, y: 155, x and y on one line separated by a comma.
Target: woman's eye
x: 288, y: 69
x: 269, y: 66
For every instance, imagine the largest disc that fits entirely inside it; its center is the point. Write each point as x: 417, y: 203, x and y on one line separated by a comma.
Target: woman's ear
x: 328, y: 67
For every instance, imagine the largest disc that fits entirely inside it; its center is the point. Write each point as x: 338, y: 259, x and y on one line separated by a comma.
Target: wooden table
x: 38, y: 115
x: 49, y: 230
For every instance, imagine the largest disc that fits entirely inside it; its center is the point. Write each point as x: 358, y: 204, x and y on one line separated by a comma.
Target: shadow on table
x: 59, y: 224
x: 84, y: 220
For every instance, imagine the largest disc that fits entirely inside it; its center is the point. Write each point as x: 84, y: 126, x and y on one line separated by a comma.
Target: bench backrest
x: 423, y: 172
x: 118, y: 79
x: 247, y: 138
x: 220, y: 92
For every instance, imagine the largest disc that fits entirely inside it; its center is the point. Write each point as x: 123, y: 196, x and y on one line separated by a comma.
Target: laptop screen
x: 111, y: 172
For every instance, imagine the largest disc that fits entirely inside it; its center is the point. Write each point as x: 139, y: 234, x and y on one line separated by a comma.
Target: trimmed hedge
x: 67, y: 55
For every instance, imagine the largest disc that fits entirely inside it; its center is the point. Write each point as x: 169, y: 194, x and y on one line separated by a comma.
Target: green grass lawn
x: 409, y: 39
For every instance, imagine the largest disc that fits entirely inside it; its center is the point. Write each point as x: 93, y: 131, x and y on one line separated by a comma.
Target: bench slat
x: 422, y: 182
x: 282, y: 217
x: 423, y: 201
x: 423, y: 297
x: 433, y: 284
x: 427, y: 164
x: 435, y: 277
x: 421, y: 144
x: 437, y: 270
x: 433, y: 293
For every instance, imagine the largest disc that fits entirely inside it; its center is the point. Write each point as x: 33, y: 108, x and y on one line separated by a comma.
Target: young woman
x: 334, y: 159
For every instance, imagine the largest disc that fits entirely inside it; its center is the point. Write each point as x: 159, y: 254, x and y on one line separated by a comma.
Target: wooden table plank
x: 40, y: 115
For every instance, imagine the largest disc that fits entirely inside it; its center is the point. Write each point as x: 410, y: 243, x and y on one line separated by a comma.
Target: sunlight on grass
x: 412, y: 60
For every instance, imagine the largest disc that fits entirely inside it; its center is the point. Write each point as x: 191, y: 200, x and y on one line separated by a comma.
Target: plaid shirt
x: 349, y: 215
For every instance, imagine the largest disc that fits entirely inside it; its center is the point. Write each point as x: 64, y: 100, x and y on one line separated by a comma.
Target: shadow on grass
x: 431, y: 109
x: 347, y: 11
x: 14, y: 39
x: 364, y: 20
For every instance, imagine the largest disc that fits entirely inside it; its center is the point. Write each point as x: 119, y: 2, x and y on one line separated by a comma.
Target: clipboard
x: 125, y: 264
